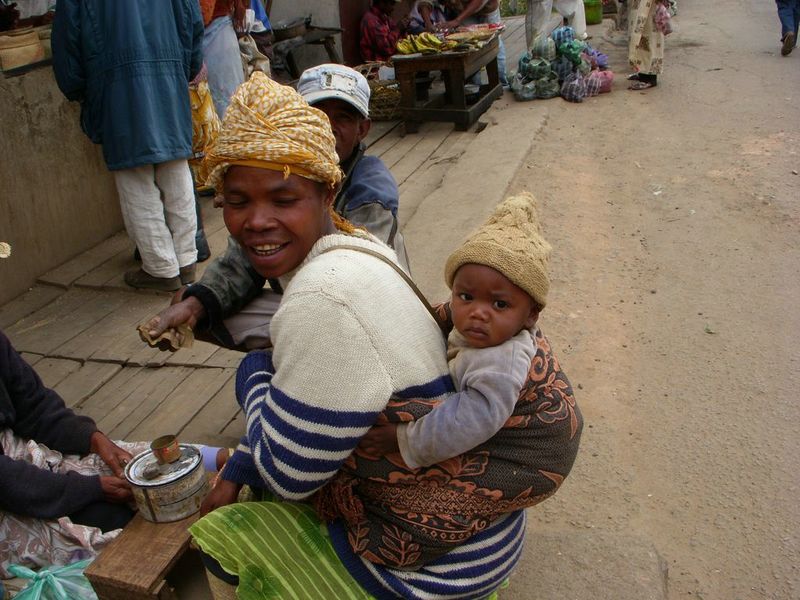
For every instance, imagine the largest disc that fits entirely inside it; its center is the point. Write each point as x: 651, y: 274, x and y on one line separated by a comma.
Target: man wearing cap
x: 379, y: 32
x: 230, y: 302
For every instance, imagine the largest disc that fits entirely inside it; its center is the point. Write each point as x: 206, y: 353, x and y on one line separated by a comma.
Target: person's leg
x: 575, y: 14
x: 143, y: 214
x: 539, y: 12
x: 786, y: 10
x: 501, y: 52
x: 174, y: 179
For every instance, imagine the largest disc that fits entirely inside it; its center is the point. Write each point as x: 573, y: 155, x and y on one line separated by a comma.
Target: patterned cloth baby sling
x: 405, y: 518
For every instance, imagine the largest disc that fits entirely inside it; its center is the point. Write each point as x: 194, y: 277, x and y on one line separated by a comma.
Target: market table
x: 456, y: 69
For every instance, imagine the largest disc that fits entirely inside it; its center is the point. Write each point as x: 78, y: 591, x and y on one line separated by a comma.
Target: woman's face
x: 276, y: 220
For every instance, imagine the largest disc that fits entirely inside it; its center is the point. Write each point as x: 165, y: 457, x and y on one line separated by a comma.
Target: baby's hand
x: 380, y: 440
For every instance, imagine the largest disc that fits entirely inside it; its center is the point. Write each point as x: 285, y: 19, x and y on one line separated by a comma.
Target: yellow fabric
x: 272, y: 123
x: 205, y: 122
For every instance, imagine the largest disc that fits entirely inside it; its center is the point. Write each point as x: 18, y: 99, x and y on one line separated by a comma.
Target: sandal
x: 633, y: 77
x: 638, y: 86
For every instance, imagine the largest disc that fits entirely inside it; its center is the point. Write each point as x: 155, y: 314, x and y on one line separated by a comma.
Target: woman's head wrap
x: 270, y: 126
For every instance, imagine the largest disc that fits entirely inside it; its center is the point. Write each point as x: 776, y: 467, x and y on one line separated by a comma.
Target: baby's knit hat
x: 510, y: 242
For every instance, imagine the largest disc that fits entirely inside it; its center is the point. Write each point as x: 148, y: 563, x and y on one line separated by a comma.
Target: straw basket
x: 384, y: 97
x: 20, y: 47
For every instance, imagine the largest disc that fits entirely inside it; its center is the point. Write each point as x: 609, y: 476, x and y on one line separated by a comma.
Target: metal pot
x: 289, y: 28
x: 171, y: 491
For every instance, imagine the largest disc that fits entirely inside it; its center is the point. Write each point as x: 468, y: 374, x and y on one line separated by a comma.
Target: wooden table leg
x: 455, y: 80
x: 408, y: 99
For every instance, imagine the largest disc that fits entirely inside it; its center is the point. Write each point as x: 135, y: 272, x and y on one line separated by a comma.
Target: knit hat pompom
x: 510, y: 242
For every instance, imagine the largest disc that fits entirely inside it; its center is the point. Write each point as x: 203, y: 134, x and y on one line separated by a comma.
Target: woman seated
x: 350, y: 335
x: 63, y: 495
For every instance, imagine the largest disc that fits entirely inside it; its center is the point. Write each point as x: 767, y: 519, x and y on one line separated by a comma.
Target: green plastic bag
x: 55, y: 583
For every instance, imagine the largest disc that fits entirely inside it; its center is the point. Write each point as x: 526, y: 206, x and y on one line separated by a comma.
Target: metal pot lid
x: 144, y: 470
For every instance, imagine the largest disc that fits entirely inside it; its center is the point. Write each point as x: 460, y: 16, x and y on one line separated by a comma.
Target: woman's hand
x: 223, y: 493
x: 188, y: 312
x: 115, y: 489
x: 115, y: 457
x: 380, y: 440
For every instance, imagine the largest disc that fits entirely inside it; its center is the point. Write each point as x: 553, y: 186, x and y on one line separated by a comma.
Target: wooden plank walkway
x: 77, y: 325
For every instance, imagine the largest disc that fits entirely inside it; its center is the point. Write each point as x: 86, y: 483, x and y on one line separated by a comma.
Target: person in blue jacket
x: 129, y: 65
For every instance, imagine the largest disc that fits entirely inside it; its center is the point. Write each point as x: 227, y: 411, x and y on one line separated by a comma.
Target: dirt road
x: 676, y: 275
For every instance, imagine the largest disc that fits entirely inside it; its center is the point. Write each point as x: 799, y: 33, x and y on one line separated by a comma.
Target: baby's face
x: 487, y: 308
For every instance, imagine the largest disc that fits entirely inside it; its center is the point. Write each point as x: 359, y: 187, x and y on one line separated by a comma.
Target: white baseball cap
x: 329, y: 81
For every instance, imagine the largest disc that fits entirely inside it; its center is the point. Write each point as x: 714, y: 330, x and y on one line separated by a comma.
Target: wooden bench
x: 135, y: 564
x: 456, y: 68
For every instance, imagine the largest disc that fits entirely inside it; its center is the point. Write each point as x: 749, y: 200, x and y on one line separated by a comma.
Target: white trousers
x: 572, y: 10
x: 157, y: 204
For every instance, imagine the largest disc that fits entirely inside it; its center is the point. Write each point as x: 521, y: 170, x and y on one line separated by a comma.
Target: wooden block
x: 197, y: 355
x: 61, y: 320
x: 84, y: 382
x: 405, y: 147
x: 207, y: 425
x: 434, y: 135
x: 69, y: 272
x: 134, y: 565
x: 31, y: 359
x: 104, y: 399
x: 112, y: 268
x: 225, y: 358
x: 54, y: 370
x: 141, y: 400
x: 235, y: 430
x: 180, y: 406
x: 378, y: 130
x: 29, y: 302
x: 114, y: 337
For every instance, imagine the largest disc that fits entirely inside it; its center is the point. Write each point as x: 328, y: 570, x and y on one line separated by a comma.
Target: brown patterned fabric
x: 405, y: 518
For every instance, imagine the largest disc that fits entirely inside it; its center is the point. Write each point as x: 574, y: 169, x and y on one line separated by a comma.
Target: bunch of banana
x: 425, y: 42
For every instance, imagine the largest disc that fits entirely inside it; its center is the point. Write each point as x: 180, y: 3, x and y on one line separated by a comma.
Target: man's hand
x: 380, y: 440
x: 186, y: 312
x: 115, y: 457
x: 115, y: 489
x: 223, y: 493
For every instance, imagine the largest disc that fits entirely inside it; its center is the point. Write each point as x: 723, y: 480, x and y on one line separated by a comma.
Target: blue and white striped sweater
x: 349, y: 335
x: 470, y: 572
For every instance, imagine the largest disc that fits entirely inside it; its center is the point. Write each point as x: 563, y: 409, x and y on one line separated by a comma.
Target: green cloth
x: 279, y: 550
